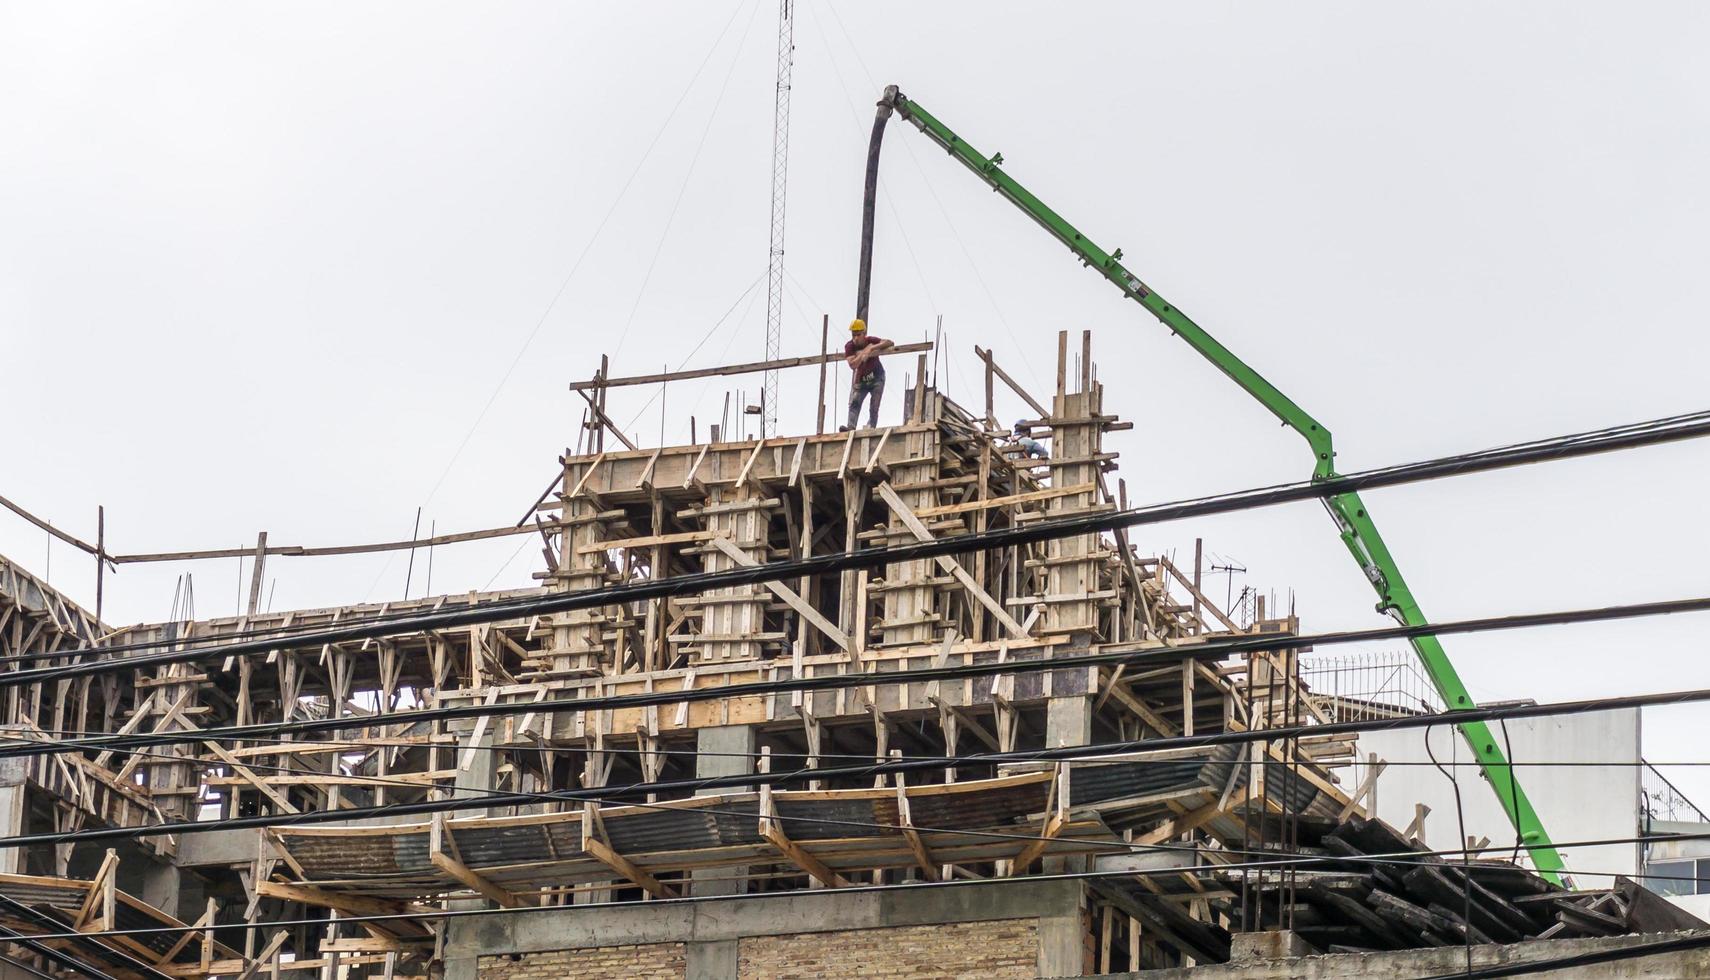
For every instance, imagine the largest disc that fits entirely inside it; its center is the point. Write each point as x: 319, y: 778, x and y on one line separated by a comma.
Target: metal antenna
x: 780, y: 171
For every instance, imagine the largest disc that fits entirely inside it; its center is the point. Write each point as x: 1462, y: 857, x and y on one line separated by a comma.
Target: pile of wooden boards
x: 1398, y: 896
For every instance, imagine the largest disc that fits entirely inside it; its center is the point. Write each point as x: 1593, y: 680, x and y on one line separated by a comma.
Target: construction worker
x: 862, y: 354
x: 1029, y: 446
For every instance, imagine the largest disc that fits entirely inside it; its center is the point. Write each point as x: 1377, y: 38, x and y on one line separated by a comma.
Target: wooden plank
x: 751, y: 367
x: 1014, y: 498
x: 298, y: 551
x: 91, y: 549
x: 680, y: 537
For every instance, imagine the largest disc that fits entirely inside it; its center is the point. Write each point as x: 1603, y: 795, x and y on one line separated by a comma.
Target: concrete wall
x: 1448, y: 961
x: 1575, y: 802
x: 1013, y: 928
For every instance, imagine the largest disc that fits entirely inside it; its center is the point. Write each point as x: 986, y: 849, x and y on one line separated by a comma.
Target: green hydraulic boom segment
x: 1352, y: 519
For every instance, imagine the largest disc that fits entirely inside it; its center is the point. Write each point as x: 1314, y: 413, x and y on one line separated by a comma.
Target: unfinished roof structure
x: 508, y: 836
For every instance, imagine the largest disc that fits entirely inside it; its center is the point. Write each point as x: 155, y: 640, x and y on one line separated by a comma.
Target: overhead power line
x: 1625, y: 437
x: 1123, y: 654
x: 688, y: 786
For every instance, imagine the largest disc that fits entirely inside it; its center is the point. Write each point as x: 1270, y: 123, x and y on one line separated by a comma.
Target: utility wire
x: 1567, y: 447
x: 694, y: 159
x: 1626, y: 436
x: 693, y: 785
x: 1124, y: 654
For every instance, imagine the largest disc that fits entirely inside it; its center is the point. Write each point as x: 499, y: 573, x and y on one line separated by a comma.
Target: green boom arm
x: 1352, y: 519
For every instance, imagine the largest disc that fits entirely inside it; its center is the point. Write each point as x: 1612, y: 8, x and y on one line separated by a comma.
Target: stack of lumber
x: 1408, y: 898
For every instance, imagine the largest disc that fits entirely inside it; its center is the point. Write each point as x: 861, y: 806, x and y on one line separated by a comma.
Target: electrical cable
x: 646, y: 154
x: 1124, y: 654
x: 1572, y: 445
x: 688, y: 175
x: 693, y: 785
x: 1621, y: 438
x: 1466, y: 860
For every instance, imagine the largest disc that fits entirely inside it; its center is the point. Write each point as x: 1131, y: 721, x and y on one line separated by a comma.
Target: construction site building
x: 1141, y: 858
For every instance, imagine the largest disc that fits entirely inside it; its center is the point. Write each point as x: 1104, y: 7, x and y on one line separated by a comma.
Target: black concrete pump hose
x: 869, y: 197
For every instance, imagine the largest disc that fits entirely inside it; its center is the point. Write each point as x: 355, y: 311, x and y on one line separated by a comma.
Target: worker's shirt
x: 869, y: 366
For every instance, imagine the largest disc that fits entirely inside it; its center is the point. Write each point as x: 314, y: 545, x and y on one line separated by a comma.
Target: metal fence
x: 1363, y: 686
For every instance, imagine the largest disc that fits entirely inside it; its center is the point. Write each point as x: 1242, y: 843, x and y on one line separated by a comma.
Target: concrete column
x: 710, y: 960
x: 481, y: 775
x: 162, y: 887
x: 1061, y: 951
x: 474, y: 780
x: 729, y: 752
x: 1068, y: 721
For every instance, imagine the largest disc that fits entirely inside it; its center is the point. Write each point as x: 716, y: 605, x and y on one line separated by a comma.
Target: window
x: 1681, y: 877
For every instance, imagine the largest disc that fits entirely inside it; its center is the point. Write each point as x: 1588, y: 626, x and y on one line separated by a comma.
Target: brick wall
x: 661, y: 960
x: 1004, y: 948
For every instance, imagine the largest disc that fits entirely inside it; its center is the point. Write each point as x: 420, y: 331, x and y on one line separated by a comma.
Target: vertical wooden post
x: 1086, y: 360
x: 100, y: 560
x: 991, y: 417
x: 600, y: 395
x: 824, y: 353
x: 1198, y: 566
x: 1062, y: 363
x: 1187, y: 695
x: 255, y: 574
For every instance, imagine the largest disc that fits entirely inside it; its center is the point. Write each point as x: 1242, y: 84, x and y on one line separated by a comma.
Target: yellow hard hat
x: 857, y: 326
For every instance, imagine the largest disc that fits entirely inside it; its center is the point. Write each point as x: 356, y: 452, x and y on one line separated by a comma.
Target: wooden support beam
x: 679, y: 537
x: 266, y: 954
x: 986, y: 355
x: 595, y: 846
x: 752, y: 367
x: 1191, y: 820
x: 742, y: 477
x: 917, y: 528
x: 604, y: 419
x: 1058, y: 805
x: 442, y: 851
x: 775, y: 836
x: 186, y: 938
x: 1014, y: 498
x: 97, y: 886
x: 791, y: 599
x: 1367, y: 789
x: 309, y: 895
x: 250, y: 777
x: 298, y: 551
x: 905, y: 818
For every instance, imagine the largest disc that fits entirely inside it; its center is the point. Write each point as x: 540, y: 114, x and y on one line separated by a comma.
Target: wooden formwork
x: 619, y: 512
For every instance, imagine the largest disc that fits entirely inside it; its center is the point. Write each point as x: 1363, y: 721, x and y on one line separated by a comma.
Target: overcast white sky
x: 262, y: 267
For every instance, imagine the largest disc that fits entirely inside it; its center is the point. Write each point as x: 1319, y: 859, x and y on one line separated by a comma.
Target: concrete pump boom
x: 1353, y: 521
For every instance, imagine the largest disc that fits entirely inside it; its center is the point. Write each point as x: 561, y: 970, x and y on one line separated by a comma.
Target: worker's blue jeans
x: 873, y: 386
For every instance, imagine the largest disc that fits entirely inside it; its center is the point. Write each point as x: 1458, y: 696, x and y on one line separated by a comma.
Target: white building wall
x: 1575, y: 802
